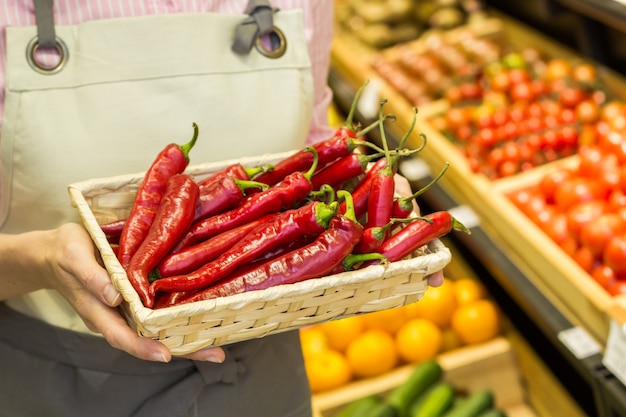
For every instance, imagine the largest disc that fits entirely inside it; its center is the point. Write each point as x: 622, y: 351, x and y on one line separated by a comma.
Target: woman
x: 120, y: 83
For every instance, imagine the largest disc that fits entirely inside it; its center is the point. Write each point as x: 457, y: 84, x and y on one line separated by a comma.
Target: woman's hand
x: 65, y: 259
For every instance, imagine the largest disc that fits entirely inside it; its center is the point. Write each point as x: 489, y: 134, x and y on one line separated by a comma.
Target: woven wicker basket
x: 189, y: 327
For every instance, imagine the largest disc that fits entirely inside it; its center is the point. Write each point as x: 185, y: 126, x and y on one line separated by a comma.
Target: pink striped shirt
x: 317, y: 16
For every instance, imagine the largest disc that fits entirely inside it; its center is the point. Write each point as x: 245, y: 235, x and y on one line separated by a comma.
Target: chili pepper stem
x: 247, y: 184
x: 427, y: 186
x: 350, y: 118
x: 457, y: 225
x: 313, y: 167
x: 187, y: 146
x: 347, y: 197
x: 357, y: 258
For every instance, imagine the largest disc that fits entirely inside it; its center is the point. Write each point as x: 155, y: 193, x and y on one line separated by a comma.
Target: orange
x: 327, y: 370
x: 388, y: 320
x: 372, y: 353
x: 449, y: 340
x: 437, y: 304
x: 418, y: 340
x: 476, y: 321
x: 468, y: 289
x: 339, y: 333
x: 313, y: 340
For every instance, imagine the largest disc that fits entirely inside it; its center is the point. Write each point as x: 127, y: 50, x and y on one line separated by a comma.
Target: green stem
x: 355, y: 101
x: 347, y: 197
x: 186, y: 148
x: 247, y: 184
x: 313, y: 168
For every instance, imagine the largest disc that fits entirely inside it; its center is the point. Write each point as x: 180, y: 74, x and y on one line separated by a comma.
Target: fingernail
x: 214, y: 358
x: 159, y: 357
x: 111, y: 295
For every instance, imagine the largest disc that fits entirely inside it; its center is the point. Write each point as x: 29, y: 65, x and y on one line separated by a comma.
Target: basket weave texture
x: 189, y: 327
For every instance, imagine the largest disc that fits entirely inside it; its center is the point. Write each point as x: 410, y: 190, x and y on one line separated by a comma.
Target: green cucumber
x: 424, y: 375
x: 436, y: 402
x: 475, y: 404
x: 493, y: 412
x: 380, y: 410
x: 358, y: 408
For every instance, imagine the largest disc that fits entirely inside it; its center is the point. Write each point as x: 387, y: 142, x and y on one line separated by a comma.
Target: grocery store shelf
x: 557, y: 340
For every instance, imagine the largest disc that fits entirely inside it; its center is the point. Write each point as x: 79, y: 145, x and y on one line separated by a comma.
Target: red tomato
x: 528, y: 201
x: 553, y: 180
x: 571, y: 96
x: 554, y: 224
x: 585, y: 258
x: 597, y: 232
x: 614, y: 255
x: 518, y: 75
x: 522, y: 91
x: 613, y: 142
x: 578, y: 190
x: 618, y: 286
x: 582, y: 213
x: 593, y: 161
x: 604, y: 276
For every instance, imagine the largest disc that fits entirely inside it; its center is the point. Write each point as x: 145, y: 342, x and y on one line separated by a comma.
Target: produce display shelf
x: 543, y: 321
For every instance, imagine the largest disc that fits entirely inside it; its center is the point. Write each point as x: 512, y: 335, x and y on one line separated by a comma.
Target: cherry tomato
x: 611, y: 110
x: 588, y: 111
x: 558, y: 68
x: 522, y: 91
x: 582, y: 213
x: 578, y: 190
x: 553, y: 180
x: 614, y: 255
x: 528, y: 201
x: 585, y: 258
x: 605, y: 276
x: 553, y: 223
x: 596, y: 233
x: 618, y: 286
x: 585, y: 73
x: 571, y: 96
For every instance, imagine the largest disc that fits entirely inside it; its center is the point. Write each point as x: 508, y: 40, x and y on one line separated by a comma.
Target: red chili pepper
x: 311, y: 261
x: 172, y: 219
x: 193, y: 257
x: 113, y: 230
x: 343, y: 169
x: 173, y: 159
x: 283, y: 195
x: 382, y: 188
x: 417, y: 233
x: 287, y: 226
x: 236, y: 170
x: 224, y: 194
x: 361, y: 193
x: 403, y: 207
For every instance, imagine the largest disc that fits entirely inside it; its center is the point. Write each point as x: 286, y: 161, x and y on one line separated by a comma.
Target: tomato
x: 500, y: 81
x: 585, y: 73
x: 522, y: 91
x: 612, y: 142
x: 618, y: 286
x: 553, y: 180
x: 456, y: 117
x: 596, y: 233
x: 571, y: 96
x: 614, y: 255
x: 582, y: 213
x: 528, y: 201
x: 604, y: 276
x: 611, y: 110
x: 587, y: 111
x: 518, y: 75
x: 578, y: 190
x: 585, y: 258
x: 553, y: 223
x: 558, y: 68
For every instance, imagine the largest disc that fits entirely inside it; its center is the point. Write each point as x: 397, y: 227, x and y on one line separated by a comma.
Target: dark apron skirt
x: 47, y: 371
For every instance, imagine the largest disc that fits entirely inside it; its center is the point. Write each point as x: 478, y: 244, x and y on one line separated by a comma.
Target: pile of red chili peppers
x: 326, y: 209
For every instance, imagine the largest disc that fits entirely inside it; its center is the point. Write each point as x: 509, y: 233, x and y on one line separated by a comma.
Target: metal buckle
x: 281, y: 46
x: 61, y: 48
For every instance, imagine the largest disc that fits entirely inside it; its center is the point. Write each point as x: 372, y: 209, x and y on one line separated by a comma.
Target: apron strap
x: 260, y: 22
x: 45, y: 24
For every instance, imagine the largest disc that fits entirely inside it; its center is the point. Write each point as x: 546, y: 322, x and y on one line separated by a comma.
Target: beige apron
x: 129, y: 87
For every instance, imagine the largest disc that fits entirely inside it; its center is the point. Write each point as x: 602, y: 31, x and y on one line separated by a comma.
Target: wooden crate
x: 487, y: 366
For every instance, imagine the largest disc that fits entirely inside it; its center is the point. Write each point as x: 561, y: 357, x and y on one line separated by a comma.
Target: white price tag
x: 579, y: 342
x: 465, y: 215
x: 615, y: 353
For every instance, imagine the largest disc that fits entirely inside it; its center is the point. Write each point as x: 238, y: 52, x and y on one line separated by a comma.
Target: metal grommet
x: 276, y: 35
x: 61, y: 48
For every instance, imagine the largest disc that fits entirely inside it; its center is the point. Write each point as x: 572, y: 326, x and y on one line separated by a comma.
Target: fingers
x: 436, y: 279
x: 216, y: 355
